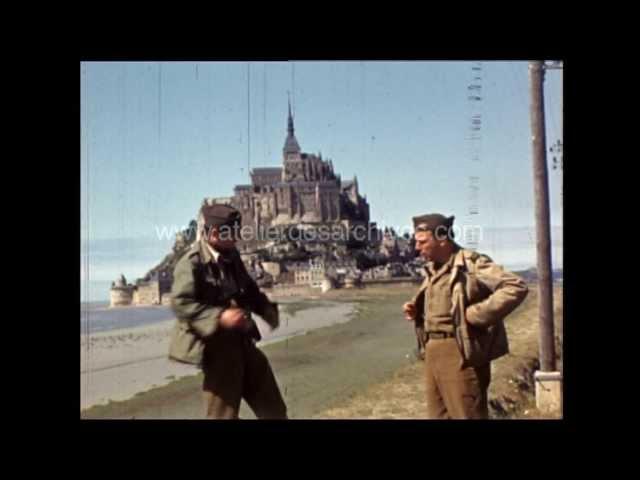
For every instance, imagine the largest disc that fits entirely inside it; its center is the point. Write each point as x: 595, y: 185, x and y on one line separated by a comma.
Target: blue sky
x: 158, y: 137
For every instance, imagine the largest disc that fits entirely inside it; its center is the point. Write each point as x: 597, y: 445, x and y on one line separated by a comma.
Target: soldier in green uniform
x: 213, y: 297
x: 461, y: 303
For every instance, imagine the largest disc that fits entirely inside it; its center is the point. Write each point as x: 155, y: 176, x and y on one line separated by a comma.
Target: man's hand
x: 409, y: 310
x: 235, y: 318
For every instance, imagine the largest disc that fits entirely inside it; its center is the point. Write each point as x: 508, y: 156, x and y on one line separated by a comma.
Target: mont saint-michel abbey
x: 304, y: 190
x: 305, y: 193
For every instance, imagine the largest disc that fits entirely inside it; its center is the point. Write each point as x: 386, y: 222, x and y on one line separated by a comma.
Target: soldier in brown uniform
x: 462, y: 303
x: 213, y: 297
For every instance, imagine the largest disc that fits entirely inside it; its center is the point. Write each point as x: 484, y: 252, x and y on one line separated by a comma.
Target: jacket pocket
x: 480, y: 341
x: 475, y: 342
x: 185, y: 346
x: 475, y: 290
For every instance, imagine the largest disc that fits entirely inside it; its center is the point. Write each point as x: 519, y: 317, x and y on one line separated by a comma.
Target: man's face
x: 222, y: 238
x: 426, y: 244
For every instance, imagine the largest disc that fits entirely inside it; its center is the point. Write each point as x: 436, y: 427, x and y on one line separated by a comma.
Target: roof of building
x: 266, y: 170
x: 291, y: 144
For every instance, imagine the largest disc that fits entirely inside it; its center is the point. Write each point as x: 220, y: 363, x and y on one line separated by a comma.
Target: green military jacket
x: 482, y: 295
x: 200, y: 293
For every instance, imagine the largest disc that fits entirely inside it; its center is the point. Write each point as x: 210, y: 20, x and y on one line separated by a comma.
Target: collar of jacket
x: 206, y: 253
x: 459, y: 264
x: 460, y: 255
x: 458, y: 258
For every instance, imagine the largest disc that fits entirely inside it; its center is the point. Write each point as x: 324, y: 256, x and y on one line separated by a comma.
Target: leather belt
x: 440, y: 335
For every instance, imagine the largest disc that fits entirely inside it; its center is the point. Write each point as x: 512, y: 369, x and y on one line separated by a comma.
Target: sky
x: 158, y: 137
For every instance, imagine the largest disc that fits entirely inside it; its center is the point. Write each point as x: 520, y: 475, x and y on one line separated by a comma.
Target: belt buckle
x: 439, y: 335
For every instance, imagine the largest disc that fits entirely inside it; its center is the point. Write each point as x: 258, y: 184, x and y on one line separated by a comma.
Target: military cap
x: 218, y: 215
x: 432, y: 221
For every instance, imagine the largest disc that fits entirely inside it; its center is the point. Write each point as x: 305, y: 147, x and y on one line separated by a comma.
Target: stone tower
x: 293, y: 165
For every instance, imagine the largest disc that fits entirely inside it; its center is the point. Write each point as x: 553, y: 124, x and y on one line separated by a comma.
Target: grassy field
x: 511, y: 394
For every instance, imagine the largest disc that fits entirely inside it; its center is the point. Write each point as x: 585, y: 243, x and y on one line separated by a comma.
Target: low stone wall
x: 121, y: 297
x: 281, y: 290
x: 400, y: 281
x: 291, y: 290
x: 148, y: 294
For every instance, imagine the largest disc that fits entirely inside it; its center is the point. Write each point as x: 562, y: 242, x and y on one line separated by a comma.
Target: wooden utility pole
x: 543, y: 228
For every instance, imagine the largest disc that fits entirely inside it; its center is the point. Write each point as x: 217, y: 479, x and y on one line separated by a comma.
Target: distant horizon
x: 101, y: 288
x: 102, y: 261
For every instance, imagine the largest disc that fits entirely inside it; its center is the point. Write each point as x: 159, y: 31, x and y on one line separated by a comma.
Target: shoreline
x: 116, y: 365
x: 283, y: 293
x: 314, y: 371
x: 362, y: 368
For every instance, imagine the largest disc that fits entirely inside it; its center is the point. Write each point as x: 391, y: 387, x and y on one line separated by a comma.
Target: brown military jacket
x: 201, y: 291
x: 482, y: 295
